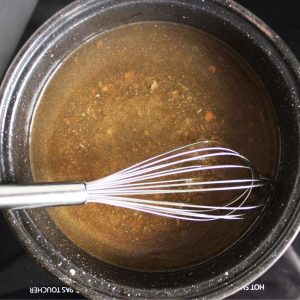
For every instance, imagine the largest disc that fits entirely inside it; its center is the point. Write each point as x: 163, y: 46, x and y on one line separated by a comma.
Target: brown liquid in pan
x: 135, y: 92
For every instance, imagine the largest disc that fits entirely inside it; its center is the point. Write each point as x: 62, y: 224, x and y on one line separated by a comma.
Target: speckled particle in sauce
x: 132, y: 93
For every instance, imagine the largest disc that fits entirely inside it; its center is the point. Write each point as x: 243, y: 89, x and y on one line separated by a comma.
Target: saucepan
x: 242, y: 263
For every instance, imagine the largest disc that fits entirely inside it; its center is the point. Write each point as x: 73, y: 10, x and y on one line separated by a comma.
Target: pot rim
x: 291, y: 229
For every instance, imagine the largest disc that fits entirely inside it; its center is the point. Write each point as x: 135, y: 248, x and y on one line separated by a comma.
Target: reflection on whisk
x: 194, y: 168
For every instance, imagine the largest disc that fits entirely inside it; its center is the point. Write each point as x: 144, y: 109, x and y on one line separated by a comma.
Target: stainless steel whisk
x: 182, y: 170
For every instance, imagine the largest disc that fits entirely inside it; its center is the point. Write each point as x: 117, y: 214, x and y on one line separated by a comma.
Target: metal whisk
x: 196, y: 169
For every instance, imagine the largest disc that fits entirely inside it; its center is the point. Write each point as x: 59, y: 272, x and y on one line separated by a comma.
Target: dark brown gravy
x: 135, y: 92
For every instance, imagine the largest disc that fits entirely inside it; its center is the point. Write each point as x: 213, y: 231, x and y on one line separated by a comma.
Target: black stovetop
x: 20, y: 273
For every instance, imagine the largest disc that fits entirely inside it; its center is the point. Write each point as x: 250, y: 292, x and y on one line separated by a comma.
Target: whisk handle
x: 42, y: 195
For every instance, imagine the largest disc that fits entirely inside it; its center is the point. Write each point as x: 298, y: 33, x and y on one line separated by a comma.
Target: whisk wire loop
x: 193, y: 168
